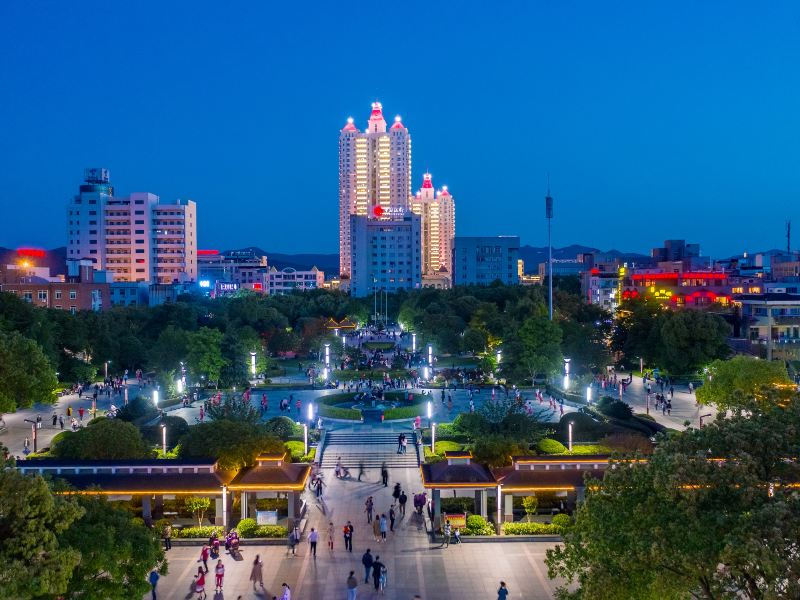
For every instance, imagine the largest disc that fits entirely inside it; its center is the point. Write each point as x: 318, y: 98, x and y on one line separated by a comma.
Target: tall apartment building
x: 374, y: 175
x: 136, y: 237
x: 438, y: 221
x: 386, y: 254
x: 483, y: 260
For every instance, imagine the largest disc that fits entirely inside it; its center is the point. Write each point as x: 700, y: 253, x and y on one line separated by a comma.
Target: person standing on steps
x: 352, y: 586
x: 385, y: 474
x: 367, y: 561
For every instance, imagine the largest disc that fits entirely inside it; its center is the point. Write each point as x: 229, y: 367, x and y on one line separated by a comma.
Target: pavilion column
x: 508, y: 512
x: 294, y: 509
x: 147, y: 513
x: 437, y: 508
x: 480, y: 502
x: 243, y: 504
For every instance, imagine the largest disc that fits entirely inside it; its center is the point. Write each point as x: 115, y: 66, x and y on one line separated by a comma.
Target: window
x: 139, y: 202
x: 92, y: 212
x: 140, y: 251
x: 138, y: 222
x: 90, y: 223
x: 58, y: 307
x: 138, y: 212
x: 73, y: 309
x: 92, y: 251
x: 139, y: 232
x: 58, y: 294
x: 93, y: 241
x: 73, y: 294
x: 42, y: 295
x: 93, y: 232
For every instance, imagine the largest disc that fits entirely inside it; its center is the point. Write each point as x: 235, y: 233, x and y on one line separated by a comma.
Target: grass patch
x: 403, y: 412
x: 337, y: 399
x: 334, y: 412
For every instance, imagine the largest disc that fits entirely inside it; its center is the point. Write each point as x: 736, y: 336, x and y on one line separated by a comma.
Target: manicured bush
x: 443, y: 446
x: 246, y: 527
x: 309, y: 458
x: 477, y: 525
x: 281, y: 427
x: 549, y: 446
x: 198, y: 532
x: 520, y: 528
x: 584, y: 449
x: 270, y: 531
x: 562, y: 520
x: 430, y: 457
x: 334, y: 412
x: 296, y: 449
x: 279, y: 504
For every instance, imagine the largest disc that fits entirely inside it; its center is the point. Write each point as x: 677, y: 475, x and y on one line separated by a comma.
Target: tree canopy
x: 743, y: 381
x: 26, y: 375
x: 101, y: 439
x: 235, y: 444
x: 684, y: 526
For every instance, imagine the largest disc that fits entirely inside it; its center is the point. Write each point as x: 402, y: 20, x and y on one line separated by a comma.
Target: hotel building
x: 136, y: 238
x: 438, y: 222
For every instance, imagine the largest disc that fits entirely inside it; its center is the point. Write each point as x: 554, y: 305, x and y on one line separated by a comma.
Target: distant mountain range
x: 533, y: 255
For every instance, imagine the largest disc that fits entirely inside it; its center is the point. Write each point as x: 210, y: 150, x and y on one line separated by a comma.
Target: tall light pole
x: 548, y: 213
x: 155, y: 398
x: 430, y: 355
x: 413, y: 343
x: 430, y: 412
x: 164, y: 439
x: 433, y: 437
x: 589, y: 394
x: 253, y: 364
x: 570, y: 436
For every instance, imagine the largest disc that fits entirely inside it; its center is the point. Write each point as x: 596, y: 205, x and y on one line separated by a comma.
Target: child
x: 457, y: 536
x: 219, y: 571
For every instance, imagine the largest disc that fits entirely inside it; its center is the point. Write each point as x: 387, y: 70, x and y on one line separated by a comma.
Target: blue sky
x: 670, y: 120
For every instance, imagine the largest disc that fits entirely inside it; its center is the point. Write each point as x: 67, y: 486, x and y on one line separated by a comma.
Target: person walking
x: 286, y: 591
x: 352, y: 586
x: 80, y: 413
x: 392, y: 518
x: 396, y: 492
x: 153, y: 579
x: 330, y: 538
x: 167, y: 533
x: 376, y: 529
x: 257, y: 572
x: 200, y: 583
x: 502, y: 593
x: 385, y: 474
x: 367, y: 561
x: 447, y: 533
x: 384, y: 527
x: 219, y: 574
x: 369, y: 506
x: 360, y: 469
x: 204, y: 556
x: 402, y: 501
x: 292, y: 544
x: 348, y: 537
x: 313, y: 537
x: 61, y: 422
x: 55, y: 420
x: 377, y: 567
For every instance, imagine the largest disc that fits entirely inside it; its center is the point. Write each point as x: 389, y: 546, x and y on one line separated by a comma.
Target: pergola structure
x: 154, y: 479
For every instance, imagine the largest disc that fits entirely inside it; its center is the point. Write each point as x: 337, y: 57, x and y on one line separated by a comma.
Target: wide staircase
x: 370, y: 448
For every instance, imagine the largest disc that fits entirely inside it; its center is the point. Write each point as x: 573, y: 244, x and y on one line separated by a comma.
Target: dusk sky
x: 678, y: 120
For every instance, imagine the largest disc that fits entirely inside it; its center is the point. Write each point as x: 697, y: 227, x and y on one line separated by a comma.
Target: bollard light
x: 589, y: 394
x: 327, y: 355
x: 155, y: 397
x: 413, y: 342
x: 430, y: 355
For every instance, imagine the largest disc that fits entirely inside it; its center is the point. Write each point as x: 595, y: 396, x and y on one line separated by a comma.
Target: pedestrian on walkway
x: 200, y: 583
x: 352, y: 586
x: 360, y: 469
x: 55, y: 420
x: 313, y: 537
x: 167, y: 533
x: 377, y: 567
x: 367, y: 561
x: 369, y: 504
x: 154, y: 577
x: 219, y: 573
x: 80, y: 413
x: 502, y: 593
x: 330, y: 538
x: 61, y: 422
x: 396, y: 492
x: 447, y: 533
x: 376, y: 529
x: 257, y: 572
x: 204, y: 552
x: 402, y: 500
x: 384, y: 527
x: 287, y: 591
x: 292, y: 543
x: 385, y: 474
x: 348, y: 537
x: 392, y: 518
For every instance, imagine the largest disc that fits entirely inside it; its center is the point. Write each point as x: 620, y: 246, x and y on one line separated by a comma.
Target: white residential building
x: 290, y: 280
x: 438, y: 222
x: 136, y: 237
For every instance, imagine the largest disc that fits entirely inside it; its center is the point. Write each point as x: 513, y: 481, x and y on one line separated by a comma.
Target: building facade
x: 374, y: 175
x: 136, y: 238
x: 243, y: 267
x: 772, y: 322
x: 438, y: 221
x: 82, y: 289
x: 386, y: 254
x: 290, y: 280
x: 483, y: 260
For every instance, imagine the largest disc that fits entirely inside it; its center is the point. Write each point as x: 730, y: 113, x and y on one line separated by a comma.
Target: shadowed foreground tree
x: 26, y: 376
x: 743, y: 381
x: 682, y: 526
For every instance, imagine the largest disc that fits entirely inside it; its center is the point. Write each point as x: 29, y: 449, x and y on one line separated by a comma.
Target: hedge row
x: 247, y: 528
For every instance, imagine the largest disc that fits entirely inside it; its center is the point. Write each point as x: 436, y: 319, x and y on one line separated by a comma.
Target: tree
x: 530, y: 504
x: 636, y: 332
x: 198, y: 505
x: 32, y: 562
x: 116, y: 552
x: 102, y: 439
x: 691, y: 339
x: 234, y: 409
x: 233, y: 444
x: 205, y: 354
x: 540, y: 353
x: 684, y: 526
x: 26, y: 376
x: 743, y: 381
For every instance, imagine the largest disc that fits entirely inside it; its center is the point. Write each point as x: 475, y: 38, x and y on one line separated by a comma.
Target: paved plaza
x: 415, y: 565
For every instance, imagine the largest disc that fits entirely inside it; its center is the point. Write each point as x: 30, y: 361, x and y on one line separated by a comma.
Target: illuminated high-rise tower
x: 438, y: 227
x: 374, y: 175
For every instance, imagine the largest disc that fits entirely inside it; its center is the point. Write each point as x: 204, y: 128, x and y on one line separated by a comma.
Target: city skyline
x: 666, y: 108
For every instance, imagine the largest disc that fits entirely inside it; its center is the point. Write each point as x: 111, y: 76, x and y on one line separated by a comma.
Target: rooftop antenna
x: 548, y: 213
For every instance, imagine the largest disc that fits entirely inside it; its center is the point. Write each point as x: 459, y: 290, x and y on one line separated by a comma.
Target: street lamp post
x: 589, y: 394
x: 413, y: 343
x: 253, y: 364
x: 164, y: 439
x: 430, y: 412
x: 641, y: 366
x: 33, y: 433
x: 305, y: 436
x: 433, y: 437
x: 703, y: 417
x: 106, y: 368
x: 566, y: 373
x: 126, y: 395
x: 569, y: 429
x: 155, y: 398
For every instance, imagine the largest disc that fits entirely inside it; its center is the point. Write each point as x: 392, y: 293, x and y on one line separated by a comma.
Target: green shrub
x: 584, y: 449
x: 246, y: 528
x: 137, y: 408
x: 281, y: 427
x: 309, y: 458
x: 562, y: 520
x: 430, y: 457
x: 443, y: 446
x: 477, y: 525
x: 336, y: 399
x: 270, y: 531
x: 279, y: 504
x: 198, y: 532
x: 520, y: 528
x: 403, y: 412
x: 496, y: 451
x: 296, y: 449
x: 472, y: 424
x: 458, y: 505
x: 617, y: 410
x: 549, y: 446
x: 159, y: 525
x: 334, y: 412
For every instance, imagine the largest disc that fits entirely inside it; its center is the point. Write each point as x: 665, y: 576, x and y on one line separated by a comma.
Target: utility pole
x: 548, y: 213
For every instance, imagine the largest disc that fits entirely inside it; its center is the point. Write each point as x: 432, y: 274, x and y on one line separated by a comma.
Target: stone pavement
x: 415, y: 565
x: 684, y: 405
